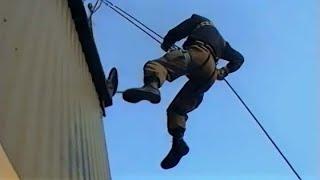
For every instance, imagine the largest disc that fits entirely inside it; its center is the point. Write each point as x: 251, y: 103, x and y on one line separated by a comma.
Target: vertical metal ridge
x: 18, y: 102
x: 106, y: 167
x: 91, y: 141
x: 87, y: 145
x: 62, y: 94
x: 28, y: 120
x: 98, y: 148
x: 78, y: 149
x: 106, y: 157
x: 75, y: 152
x: 83, y: 169
x: 46, y: 95
x: 73, y: 139
x: 65, y: 107
x: 81, y: 150
x: 37, y: 83
x: 47, y: 150
x: 103, y: 150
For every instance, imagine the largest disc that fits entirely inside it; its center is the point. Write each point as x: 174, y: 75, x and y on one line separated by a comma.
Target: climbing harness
x: 141, y: 25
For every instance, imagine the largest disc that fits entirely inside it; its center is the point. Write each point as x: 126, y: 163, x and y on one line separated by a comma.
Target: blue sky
x: 279, y: 81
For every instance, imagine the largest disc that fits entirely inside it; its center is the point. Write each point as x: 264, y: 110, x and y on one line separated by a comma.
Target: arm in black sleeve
x: 234, y: 57
x: 180, y: 31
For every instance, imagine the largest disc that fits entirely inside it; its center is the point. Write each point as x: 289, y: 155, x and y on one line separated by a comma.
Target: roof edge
x: 90, y: 51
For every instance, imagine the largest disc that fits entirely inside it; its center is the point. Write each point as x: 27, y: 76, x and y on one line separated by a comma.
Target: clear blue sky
x: 279, y: 81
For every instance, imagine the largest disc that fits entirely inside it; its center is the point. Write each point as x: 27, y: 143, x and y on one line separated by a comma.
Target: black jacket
x: 206, y: 33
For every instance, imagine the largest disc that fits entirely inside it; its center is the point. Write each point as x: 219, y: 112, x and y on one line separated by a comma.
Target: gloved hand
x: 165, y: 46
x: 222, y: 73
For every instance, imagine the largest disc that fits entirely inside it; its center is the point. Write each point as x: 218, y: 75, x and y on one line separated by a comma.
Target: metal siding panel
x: 98, y: 151
x: 93, y: 148
x: 101, y: 150
x: 66, y: 171
x: 79, y: 127
x: 49, y: 122
x: 106, y: 167
x: 33, y: 128
x: 86, y: 141
x: 24, y: 76
x: 64, y: 165
x: 73, y: 141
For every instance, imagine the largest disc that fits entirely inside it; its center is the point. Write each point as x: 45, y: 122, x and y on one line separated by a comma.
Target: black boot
x: 149, y: 92
x: 112, y: 82
x: 178, y: 150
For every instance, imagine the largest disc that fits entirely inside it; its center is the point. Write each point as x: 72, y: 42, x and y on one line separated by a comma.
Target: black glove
x: 165, y: 46
x: 222, y: 73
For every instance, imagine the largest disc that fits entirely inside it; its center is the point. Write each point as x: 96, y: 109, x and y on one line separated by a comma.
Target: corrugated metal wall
x: 50, y: 119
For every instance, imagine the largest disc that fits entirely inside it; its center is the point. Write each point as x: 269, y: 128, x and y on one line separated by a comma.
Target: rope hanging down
x: 123, y: 13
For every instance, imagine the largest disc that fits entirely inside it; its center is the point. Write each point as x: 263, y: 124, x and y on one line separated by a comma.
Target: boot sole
x: 135, y: 96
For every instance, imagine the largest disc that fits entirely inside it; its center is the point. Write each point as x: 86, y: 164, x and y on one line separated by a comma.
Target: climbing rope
x: 263, y: 129
x: 110, y: 5
x: 127, y: 16
x: 123, y: 13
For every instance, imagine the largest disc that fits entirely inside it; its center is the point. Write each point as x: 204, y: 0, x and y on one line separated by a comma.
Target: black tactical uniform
x: 197, y: 60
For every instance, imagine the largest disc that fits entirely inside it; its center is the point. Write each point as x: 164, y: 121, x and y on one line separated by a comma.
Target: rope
x: 113, y: 7
x: 135, y: 24
x: 133, y: 18
x: 120, y: 11
x: 263, y: 129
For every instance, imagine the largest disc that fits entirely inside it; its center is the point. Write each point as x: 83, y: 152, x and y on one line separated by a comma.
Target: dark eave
x: 90, y: 51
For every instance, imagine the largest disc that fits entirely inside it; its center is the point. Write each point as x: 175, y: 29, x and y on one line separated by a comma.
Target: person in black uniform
x: 197, y: 60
